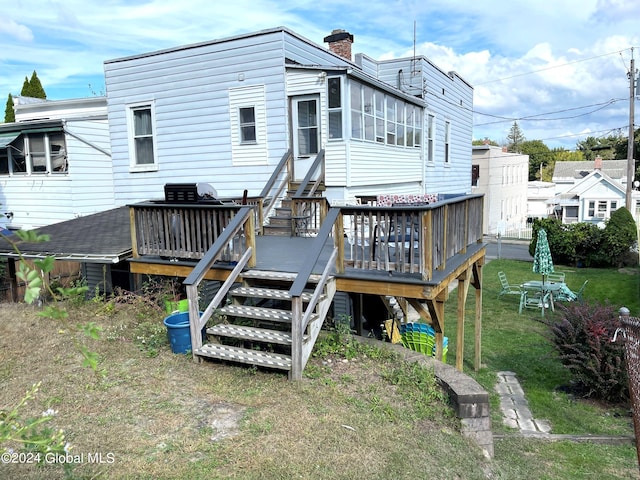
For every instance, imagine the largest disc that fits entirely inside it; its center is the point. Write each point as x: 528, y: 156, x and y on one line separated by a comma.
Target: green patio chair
x: 507, y: 289
x: 580, y: 292
x: 535, y: 299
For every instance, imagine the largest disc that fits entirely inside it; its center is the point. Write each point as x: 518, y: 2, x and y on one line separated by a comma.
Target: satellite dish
x: 601, y: 225
x: 636, y: 184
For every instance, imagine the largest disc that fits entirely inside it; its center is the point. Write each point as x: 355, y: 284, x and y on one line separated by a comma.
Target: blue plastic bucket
x: 179, y: 332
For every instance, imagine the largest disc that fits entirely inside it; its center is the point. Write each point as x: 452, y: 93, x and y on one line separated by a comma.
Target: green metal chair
x: 507, y: 289
x: 535, y: 299
x: 557, y: 277
x: 580, y: 292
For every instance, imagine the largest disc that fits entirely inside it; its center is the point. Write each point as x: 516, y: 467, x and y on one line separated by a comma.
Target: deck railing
x: 409, y: 239
x: 184, y: 231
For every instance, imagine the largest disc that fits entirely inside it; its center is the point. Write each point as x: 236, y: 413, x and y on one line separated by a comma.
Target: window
x: 357, y: 128
x: 37, y: 153
x: 591, y: 211
x: 381, y: 118
x: 368, y: 113
x: 475, y: 174
x: 142, y: 141
x: 334, y: 95
x: 614, y: 205
x: 431, y: 132
x: 447, y: 141
x: 307, y: 126
x: 247, y: 125
x: 417, y: 127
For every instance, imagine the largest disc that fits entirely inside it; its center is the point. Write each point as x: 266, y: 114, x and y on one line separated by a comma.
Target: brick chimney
x: 340, y: 43
x: 597, y: 164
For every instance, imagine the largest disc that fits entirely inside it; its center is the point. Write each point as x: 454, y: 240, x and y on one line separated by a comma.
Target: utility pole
x: 631, y: 167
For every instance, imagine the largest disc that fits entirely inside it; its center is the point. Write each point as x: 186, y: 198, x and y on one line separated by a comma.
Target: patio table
x: 551, y: 287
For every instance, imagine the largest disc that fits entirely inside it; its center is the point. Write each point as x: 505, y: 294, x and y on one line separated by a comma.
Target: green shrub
x: 585, y: 244
x: 582, y: 338
x: 620, y: 235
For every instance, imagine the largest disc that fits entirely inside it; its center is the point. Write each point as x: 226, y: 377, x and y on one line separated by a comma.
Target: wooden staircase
x: 284, y: 221
x: 257, y: 329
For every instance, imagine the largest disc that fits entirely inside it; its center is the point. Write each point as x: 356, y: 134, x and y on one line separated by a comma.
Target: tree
x: 9, y: 113
x: 26, y: 88
x: 539, y: 156
x: 515, y: 138
x: 35, y: 87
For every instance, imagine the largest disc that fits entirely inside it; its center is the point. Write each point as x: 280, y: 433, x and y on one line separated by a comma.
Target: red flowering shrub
x: 582, y: 337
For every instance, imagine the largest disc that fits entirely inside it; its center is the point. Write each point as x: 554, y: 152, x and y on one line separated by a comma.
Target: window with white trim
x: 378, y: 117
x: 142, y: 137
x: 431, y: 137
x: 334, y: 94
x: 447, y: 142
x: 247, y: 116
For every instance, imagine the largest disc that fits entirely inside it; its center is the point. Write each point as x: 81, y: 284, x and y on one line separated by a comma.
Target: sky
x: 559, y: 68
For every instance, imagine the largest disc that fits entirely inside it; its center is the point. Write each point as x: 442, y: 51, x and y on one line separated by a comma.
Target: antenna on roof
x: 413, y: 63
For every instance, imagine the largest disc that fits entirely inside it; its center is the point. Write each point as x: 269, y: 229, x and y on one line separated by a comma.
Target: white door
x: 306, y: 133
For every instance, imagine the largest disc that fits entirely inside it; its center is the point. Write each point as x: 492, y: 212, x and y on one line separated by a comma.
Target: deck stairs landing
x: 256, y: 325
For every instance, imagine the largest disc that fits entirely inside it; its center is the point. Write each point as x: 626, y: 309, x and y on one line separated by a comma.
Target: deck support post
x: 463, y: 290
x: 477, y: 283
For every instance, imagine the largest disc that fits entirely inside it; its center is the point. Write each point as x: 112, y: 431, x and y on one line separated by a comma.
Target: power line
x: 552, y: 67
x: 600, y: 106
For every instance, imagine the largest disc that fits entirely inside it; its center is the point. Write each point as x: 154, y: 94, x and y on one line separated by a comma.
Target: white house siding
x: 448, y: 98
x: 254, y: 153
x: 190, y: 89
x: 503, y: 181
x: 38, y: 200
x: 90, y: 166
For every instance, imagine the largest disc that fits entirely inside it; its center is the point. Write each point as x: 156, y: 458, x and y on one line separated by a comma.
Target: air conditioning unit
x: 600, y: 214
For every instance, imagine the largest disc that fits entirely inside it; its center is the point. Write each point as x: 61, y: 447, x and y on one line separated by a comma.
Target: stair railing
x: 284, y: 166
x: 301, y: 322
x: 305, y: 206
x: 242, y: 223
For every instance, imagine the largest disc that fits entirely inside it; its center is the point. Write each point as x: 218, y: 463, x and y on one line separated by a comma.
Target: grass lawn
x: 358, y: 413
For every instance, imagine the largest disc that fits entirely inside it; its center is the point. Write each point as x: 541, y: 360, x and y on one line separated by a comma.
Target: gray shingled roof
x: 616, y: 169
x: 103, y: 237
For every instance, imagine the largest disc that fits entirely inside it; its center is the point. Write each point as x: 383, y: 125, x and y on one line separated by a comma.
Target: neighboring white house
x: 55, y: 162
x: 502, y: 177
x: 225, y: 111
x: 590, y: 191
x: 538, y: 195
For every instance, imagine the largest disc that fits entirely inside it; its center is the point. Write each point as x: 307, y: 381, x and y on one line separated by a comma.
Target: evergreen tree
x: 35, y: 87
x: 9, y: 114
x: 515, y: 138
x: 26, y: 88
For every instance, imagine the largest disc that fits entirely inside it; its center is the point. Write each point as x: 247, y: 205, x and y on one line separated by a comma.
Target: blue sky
x: 559, y: 68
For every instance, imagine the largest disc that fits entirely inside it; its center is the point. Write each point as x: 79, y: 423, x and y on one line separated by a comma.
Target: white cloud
x: 15, y: 30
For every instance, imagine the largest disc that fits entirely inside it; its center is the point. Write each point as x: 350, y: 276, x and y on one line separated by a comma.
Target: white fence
x: 520, y: 232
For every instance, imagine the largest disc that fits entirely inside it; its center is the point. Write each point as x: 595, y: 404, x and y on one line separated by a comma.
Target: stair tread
x: 251, y: 333
x: 273, y: 293
x: 260, y: 313
x: 280, y: 276
x: 244, y: 355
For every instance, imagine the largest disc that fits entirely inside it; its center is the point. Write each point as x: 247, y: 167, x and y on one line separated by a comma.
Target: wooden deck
x: 413, y: 253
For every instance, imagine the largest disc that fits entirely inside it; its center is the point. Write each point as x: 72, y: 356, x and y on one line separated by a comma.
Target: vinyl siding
x: 193, y: 122
x: 39, y: 200
x: 450, y: 99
